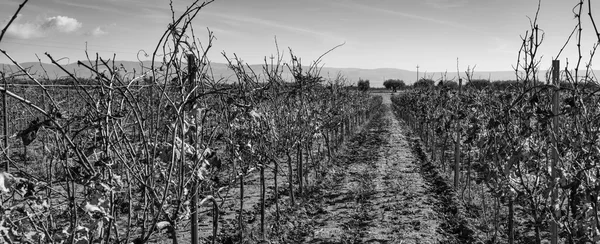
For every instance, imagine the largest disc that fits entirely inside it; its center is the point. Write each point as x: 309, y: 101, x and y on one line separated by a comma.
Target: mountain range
x: 221, y: 70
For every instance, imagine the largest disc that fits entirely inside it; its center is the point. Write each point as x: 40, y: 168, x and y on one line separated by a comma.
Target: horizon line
x: 261, y: 64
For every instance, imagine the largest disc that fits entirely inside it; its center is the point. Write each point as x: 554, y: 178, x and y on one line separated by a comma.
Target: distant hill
x: 220, y: 70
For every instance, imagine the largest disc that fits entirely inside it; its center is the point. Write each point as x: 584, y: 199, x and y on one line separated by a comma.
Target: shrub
x: 394, y: 84
x: 478, y: 84
x: 424, y: 83
x: 448, y: 84
x: 363, y: 85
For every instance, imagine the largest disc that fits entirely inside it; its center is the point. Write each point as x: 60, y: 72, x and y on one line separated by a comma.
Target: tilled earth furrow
x: 381, y: 189
x: 403, y: 202
x: 347, y: 201
x: 380, y: 195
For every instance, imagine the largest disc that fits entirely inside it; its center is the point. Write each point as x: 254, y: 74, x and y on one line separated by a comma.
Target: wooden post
x: 555, y: 111
x: 433, y: 144
x: 511, y: 223
x: 194, y: 203
x: 299, y: 166
x: 5, y: 110
x: 457, y: 144
x: 262, y: 202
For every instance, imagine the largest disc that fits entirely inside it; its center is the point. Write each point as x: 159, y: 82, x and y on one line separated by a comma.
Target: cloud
x: 446, y: 4
x: 434, y: 20
x: 62, y: 24
x: 100, y: 6
x: 99, y: 31
x: 235, y: 20
x: 41, y: 28
x: 500, y: 45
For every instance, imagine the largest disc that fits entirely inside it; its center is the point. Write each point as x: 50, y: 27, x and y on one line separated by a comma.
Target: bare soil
x: 379, y: 188
x: 379, y: 195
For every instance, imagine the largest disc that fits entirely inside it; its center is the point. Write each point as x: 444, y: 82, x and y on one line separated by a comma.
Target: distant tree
x: 478, y: 84
x: 387, y: 85
x: 448, y: 84
x: 424, y: 83
x: 363, y: 85
x: 394, y: 84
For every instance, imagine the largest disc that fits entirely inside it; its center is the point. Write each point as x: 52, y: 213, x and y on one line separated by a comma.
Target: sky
x: 431, y: 34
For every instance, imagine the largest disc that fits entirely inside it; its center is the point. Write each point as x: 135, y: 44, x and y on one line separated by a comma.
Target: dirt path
x: 380, y: 188
x: 376, y: 193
